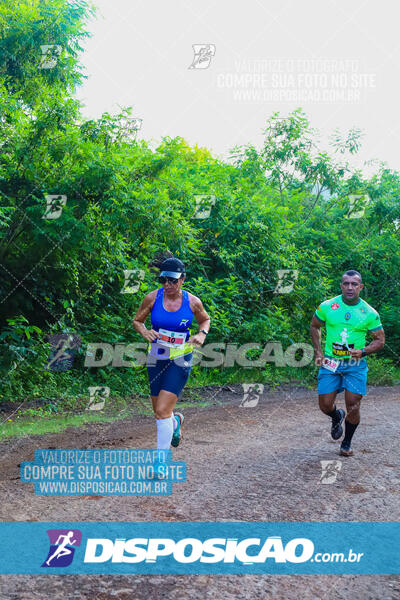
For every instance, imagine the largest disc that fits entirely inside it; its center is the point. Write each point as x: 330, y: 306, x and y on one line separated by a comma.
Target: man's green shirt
x: 346, y: 325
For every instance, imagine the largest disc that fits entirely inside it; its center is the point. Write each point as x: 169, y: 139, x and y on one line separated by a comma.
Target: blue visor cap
x: 171, y: 274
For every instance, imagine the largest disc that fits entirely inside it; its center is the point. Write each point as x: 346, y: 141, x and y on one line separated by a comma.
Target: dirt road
x: 247, y: 464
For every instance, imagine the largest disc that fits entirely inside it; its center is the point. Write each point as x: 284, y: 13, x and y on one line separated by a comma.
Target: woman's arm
x: 202, y: 319
x: 142, y: 313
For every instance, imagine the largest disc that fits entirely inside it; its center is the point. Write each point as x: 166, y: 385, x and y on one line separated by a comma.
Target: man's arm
x: 377, y: 344
x: 315, y: 330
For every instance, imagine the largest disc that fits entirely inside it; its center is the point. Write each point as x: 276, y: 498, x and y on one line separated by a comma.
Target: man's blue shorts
x: 349, y: 376
x: 169, y: 375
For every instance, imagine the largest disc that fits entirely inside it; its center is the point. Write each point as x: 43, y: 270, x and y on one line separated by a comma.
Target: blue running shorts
x: 167, y: 374
x: 352, y: 377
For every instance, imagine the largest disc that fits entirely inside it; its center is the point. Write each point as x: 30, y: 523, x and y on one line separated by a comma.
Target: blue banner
x: 197, y: 547
x: 104, y: 472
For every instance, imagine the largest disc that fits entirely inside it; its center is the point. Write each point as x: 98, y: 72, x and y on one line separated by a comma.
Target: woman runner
x: 170, y: 348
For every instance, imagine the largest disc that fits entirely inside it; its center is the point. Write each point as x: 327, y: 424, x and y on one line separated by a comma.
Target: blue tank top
x: 178, y: 321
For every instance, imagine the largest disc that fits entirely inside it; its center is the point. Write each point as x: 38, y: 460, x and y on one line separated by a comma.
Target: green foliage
x: 282, y: 206
x: 382, y: 371
x: 27, y: 25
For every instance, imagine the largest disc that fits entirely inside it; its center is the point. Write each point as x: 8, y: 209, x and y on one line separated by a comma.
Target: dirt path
x: 247, y: 464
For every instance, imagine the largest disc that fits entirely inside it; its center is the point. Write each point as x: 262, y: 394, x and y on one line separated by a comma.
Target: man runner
x: 343, y: 367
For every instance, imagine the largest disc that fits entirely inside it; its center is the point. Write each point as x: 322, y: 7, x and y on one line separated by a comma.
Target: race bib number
x: 330, y: 364
x: 341, y: 350
x: 171, y: 339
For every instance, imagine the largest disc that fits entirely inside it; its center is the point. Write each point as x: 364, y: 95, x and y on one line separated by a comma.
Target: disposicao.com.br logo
x: 199, y: 547
x: 213, y: 550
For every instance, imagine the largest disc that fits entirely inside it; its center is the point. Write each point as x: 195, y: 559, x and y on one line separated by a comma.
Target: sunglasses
x: 164, y: 279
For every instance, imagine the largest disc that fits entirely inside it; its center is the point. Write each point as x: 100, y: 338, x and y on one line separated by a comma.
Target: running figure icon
x: 62, y: 549
x: 343, y: 336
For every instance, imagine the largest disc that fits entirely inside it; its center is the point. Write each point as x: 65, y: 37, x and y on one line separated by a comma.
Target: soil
x: 259, y: 463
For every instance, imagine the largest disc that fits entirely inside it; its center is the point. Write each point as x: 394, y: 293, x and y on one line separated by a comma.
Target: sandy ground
x: 248, y: 464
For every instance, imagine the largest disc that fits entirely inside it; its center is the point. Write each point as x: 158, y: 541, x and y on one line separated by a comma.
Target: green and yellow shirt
x: 346, y: 325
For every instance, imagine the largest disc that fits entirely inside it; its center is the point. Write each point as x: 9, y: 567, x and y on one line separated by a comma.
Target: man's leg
x: 329, y: 384
x: 353, y: 402
x: 327, y: 402
x: 328, y: 406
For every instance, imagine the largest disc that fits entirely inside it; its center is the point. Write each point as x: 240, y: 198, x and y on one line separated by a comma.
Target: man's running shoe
x: 176, y: 438
x: 345, y: 449
x: 337, y: 429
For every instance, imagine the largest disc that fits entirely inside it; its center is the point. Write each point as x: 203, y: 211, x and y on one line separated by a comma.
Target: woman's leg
x: 163, y: 407
x: 156, y: 372
x: 171, y: 377
x: 154, y: 403
x: 165, y: 404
